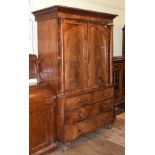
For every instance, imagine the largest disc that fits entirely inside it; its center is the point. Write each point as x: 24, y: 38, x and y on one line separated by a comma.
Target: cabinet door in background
x: 74, y: 33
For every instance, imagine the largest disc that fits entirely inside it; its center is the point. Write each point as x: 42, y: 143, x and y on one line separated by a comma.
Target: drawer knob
x: 103, y: 120
x: 86, y: 121
x: 47, y: 102
x: 105, y: 106
x: 79, y: 130
x: 81, y: 101
x: 104, y: 94
x: 81, y: 115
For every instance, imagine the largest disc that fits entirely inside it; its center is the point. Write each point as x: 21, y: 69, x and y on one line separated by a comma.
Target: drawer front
x: 88, y: 111
x: 117, y: 67
x: 77, y: 130
x: 78, y: 101
x: 103, y: 94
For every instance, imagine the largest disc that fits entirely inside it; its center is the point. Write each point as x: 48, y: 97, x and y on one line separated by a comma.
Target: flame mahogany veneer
x: 75, y: 52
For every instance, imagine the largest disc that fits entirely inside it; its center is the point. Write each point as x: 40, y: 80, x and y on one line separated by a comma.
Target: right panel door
x: 98, y: 55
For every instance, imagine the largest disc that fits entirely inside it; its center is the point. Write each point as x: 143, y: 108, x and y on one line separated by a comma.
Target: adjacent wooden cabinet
x: 119, y: 76
x: 41, y: 119
x: 75, y: 50
x: 41, y: 112
x: 119, y: 80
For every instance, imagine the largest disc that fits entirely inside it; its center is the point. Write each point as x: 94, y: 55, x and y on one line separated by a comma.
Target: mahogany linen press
x: 75, y: 48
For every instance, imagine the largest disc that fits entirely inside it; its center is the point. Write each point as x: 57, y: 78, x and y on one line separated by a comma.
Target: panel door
x: 40, y: 125
x: 98, y: 55
x: 74, y: 46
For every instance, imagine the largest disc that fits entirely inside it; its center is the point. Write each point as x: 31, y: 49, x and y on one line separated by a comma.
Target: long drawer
x: 85, y: 99
x: 88, y: 111
x: 74, y: 131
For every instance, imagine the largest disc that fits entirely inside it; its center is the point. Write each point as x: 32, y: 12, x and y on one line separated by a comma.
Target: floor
x: 101, y: 142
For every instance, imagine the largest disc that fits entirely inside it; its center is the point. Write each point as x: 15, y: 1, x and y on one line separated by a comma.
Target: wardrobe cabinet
x: 75, y: 52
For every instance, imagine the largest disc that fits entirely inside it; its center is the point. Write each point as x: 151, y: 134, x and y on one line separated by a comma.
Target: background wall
x: 107, y: 6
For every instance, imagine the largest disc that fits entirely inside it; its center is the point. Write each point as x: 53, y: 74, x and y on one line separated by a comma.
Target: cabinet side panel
x: 59, y: 122
x: 48, y: 51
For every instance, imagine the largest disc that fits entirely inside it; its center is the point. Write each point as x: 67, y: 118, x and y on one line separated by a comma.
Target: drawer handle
x: 105, y: 105
x: 83, y: 101
x: 79, y: 130
x: 104, y: 120
x: 86, y: 121
x: 47, y: 102
x: 81, y: 115
x: 105, y: 94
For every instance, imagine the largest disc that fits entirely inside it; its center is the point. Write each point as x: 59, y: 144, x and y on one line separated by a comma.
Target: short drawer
x: 77, y: 130
x: 88, y: 111
x: 117, y: 67
x: 103, y: 94
x: 78, y: 101
x: 98, y: 95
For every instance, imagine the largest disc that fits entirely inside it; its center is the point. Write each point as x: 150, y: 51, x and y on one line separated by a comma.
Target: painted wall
x: 107, y: 6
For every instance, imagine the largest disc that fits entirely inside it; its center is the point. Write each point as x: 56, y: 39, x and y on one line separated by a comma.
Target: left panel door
x: 74, y: 48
